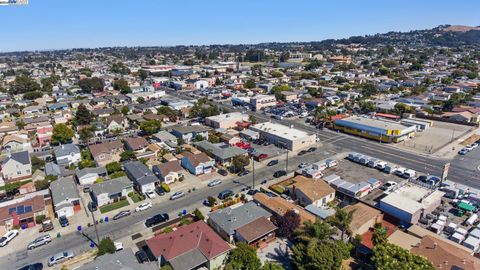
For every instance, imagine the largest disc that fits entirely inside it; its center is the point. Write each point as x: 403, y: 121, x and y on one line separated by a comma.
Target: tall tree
x: 272, y: 266
x: 105, y: 246
x: 288, y: 223
x: 62, y: 134
x: 342, y: 220
x: 150, y: 126
x: 83, y: 115
x: 90, y: 85
x: 240, y: 162
x: 243, y: 257
x: 391, y: 257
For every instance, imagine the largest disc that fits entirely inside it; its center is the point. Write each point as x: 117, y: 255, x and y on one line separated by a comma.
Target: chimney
x: 435, y: 245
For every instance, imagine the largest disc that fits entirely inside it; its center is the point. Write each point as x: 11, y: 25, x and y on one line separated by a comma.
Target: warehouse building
x: 376, y: 129
x: 283, y: 136
x: 409, y: 202
x: 226, y: 120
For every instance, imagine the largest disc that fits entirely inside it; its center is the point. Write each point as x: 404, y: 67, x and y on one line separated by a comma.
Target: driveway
x: 277, y: 251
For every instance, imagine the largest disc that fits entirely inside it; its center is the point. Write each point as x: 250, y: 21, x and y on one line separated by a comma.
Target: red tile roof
x: 186, y: 238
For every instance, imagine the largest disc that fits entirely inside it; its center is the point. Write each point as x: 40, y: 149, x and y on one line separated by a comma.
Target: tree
x: 276, y: 74
x: 150, y: 126
x: 83, y: 115
x: 113, y: 167
x: 288, y: 223
x: 23, y: 84
x: 37, y: 163
x: 140, y: 100
x: 32, y: 95
x: 342, y: 220
x: 401, y: 108
x: 120, y: 68
x: 143, y: 74
x: 391, y: 257
x: 122, y: 86
x: 367, y: 106
x: 249, y: 84
x: 213, y: 138
x: 42, y: 184
x: 252, y: 119
x: 240, y: 162
x: 272, y: 266
x: 125, y: 110
x: 198, y: 214
x: 90, y: 85
x: 105, y: 246
x: 62, y: 134
x: 379, y: 236
x: 199, y: 138
x: 85, y: 134
x: 127, y: 155
x: 243, y: 257
x: 20, y: 124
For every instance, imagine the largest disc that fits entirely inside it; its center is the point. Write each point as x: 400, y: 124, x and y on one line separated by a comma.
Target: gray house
x: 123, y: 259
x: 227, y: 221
x: 144, y: 179
x: 188, y: 133
x: 17, y: 166
x: 222, y: 153
x: 67, y: 154
x: 66, y: 200
x: 87, y: 176
x: 111, y: 190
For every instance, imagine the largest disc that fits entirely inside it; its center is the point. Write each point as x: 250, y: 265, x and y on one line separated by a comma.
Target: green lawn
x: 107, y: 208
x: 137, y: 197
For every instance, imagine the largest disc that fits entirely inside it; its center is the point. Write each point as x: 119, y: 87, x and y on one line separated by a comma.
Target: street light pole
x: 286, y: 163
x: 94, y: 223
x: 253, y: 173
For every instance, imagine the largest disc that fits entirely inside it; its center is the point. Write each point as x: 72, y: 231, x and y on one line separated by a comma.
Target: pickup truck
x: 47, y: 225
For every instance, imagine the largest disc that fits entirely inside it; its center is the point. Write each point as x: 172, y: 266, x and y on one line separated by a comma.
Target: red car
x: 242, y: 145
x: 260, y: 157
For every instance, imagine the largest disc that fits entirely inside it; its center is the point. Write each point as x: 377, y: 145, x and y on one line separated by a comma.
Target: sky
x: 63, y: 24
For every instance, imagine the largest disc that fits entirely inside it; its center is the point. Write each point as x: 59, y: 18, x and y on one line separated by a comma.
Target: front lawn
x: 107, y: 208
x: 137, y: 197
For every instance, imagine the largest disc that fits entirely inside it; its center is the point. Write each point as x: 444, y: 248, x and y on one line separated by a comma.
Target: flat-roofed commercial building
x: 410, y: 201
x: 283, y: 136
x: 377, y: 129
x: 227, y: 120
x: 259, y: 102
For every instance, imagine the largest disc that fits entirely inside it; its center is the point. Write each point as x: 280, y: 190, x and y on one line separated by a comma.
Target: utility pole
x: 94, y: 223
x: 253, y: 173
x: 286, y: 163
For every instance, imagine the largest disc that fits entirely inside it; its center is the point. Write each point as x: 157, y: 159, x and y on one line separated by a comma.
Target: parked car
x: 159, y: 218
x: 474, y: 145
x: 60, y: 257
x: 47, y: 225
x: 264, y: 181
x: 222, y: 172
x: 150, y: 194
x: 63, y: 221
x: 35, y: 266
x: 463, y: 151
x: 312, y: 149
x: 243, y: 173
x: 122, y: 214
x: 272, y: 162
x: 215, y: 182
x: 141, y: 256
x: 40, y: 241
x: 177, y: 195
x: 118, y: 246
x: 225, y: 194
x: 144, y: 206
x: 160, y: 191
x: 301, y: 153
x: 260, y: 157
x: 280, y: 173
x: 303, y: 165
x: 7, y: 237
x: 388, y: 185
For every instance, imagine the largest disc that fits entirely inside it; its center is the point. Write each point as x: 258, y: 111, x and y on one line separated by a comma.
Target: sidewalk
x: 450, y: 150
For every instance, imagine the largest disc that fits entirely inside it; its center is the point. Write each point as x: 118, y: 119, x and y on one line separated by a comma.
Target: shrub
x: 130, y: 194
x: 117, y: 174
x: 278, y: 189
x: 198, y: 214
x: 211, y: 200
x: 168, y: 229
x: 165, y: 187
x: 39, y: 219
x: 185, y: 221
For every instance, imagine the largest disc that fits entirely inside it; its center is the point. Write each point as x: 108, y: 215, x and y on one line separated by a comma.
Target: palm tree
x: 342, y: 220
x: 317, y: 232
x: 379, y: 234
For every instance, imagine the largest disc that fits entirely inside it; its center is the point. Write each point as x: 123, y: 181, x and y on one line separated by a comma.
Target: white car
x: 215, y: 182
x: 60, y: 257
x: 144, y: 206
x: 118, y: 246
x: 177, y: 195
x: 7, y: 237
x: 474, y: 145
x: 150, y: 194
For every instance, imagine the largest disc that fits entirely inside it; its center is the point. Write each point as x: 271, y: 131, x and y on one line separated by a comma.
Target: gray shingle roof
x: 66, y: 149
x: 138, y: 172
x: 121, y: 260
x: 188, y: 260
x: 113, y: 186
x: 97, y: 170
x: 221, y: 151
x: 230, y: 219
x: 63, y: 189
x: 22, y: 157
x: 190, y: 129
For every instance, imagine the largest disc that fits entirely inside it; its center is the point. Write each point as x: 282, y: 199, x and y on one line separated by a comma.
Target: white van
x: 381, y: 165
x: 409, y: 174
x: 372, y: 163
x: 400, y: 171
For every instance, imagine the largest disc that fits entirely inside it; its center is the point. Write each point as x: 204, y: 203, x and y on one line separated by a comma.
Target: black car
x: 252, y: 192
x: 141, y: 256
x: 280, y: 173
x: 156, y: 220
x: 63, y: 221
x: 160, y: 191
x: 301, y: 153
x: 243, y: 173
x: 312, y: 149
x: 272, y: 162
x: 35, y: 266
x: 122, y: 214
x: 223, y: 172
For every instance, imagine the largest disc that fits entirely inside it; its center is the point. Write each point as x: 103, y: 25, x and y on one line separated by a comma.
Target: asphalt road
x: 134, y: 223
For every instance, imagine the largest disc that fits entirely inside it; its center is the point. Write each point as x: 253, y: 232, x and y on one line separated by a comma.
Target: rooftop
x: 412, y: 198
x: 289, y: 133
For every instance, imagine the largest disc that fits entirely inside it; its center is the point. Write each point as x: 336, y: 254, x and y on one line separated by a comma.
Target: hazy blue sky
x: 53, y: 24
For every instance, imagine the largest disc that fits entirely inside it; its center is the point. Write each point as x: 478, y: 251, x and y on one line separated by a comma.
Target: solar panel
x: 11, y: 210
x: 28, y: 209
x: 20, y: 209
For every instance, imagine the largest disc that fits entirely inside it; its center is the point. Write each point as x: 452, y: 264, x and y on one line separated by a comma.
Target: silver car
x: 177, y: 195
x: 40, y: 241
x: 60, y: 257
x: 214, y: 182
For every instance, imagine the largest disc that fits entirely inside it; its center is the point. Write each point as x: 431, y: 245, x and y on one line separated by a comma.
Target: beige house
x: 283, y: 136
x: 106, y: 152
x: 310, y: 191
x: 226, y: 121
x: 363, y: 217
x: 263, y: 101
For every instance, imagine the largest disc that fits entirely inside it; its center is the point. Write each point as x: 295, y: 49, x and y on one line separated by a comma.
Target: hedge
x: 113, y: 206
